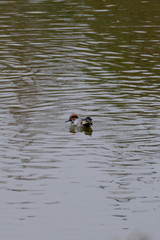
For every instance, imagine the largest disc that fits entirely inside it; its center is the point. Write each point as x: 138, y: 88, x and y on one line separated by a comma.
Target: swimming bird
x: 84, y: 122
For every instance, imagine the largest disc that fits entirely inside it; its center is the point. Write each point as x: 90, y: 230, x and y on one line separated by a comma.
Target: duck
x: 76, y: 121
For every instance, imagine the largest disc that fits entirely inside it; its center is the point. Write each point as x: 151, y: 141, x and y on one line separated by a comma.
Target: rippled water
x: 96, y: 58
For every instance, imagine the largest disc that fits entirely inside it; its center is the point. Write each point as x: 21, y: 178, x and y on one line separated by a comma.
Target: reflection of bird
x: 84, y: 122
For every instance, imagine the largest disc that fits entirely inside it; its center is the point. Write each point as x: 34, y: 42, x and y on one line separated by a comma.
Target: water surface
x: 93, y: 58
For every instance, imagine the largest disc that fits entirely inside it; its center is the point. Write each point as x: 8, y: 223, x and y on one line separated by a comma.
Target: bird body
x: 76, y: 121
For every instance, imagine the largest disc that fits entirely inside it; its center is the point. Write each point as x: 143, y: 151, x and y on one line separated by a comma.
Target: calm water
x: 97, y: 58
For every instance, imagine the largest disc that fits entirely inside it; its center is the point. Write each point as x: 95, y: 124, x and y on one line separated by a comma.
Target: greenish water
x: 96, y: 58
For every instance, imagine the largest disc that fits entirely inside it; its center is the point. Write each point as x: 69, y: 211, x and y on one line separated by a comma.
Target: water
x: 95, y: 58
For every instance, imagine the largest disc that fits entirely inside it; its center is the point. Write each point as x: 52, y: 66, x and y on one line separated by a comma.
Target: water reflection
x: 85, y: 130
x: 98, y: 58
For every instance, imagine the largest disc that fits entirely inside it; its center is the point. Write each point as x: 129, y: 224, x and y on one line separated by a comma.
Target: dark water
x: 97, y: 58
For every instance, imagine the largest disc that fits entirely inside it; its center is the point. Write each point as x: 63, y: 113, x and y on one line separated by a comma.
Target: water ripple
x: 94, y: 59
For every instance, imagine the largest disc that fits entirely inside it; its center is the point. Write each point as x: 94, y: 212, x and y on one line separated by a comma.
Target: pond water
x: 94, y: 58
